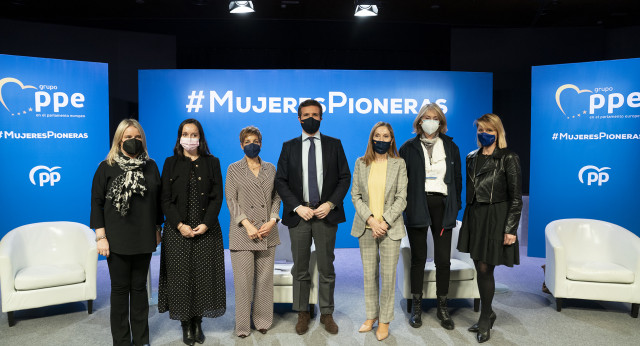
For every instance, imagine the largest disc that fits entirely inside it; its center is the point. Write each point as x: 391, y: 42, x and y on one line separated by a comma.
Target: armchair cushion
x: 460, y: 270
x: 462, y: 282
x: 282, y: 277
x: 282, y: 274
x: 43, y: 276
x: 599, y: 272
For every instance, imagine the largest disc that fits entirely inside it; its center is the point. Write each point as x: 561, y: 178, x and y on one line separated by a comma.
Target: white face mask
x: 429, y: 126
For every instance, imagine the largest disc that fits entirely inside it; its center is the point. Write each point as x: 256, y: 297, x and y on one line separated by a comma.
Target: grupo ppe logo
x: 40, y: 100
x: 41, y: 175
x: 593, y: 175
x: 596, y: 103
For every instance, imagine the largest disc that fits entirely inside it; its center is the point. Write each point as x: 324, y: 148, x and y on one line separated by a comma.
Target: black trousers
x: 441, y: 248
x: 129, y: 301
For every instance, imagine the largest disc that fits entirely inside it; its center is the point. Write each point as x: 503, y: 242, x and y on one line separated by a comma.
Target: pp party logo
x: 16, y: 97
x: 572, y: 100
x: 599, y: 103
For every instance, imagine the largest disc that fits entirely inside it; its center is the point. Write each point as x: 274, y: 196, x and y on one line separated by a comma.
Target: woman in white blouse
x: 433, y: 201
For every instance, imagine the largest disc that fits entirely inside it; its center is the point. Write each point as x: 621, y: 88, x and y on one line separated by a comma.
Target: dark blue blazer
x: 335, y: 184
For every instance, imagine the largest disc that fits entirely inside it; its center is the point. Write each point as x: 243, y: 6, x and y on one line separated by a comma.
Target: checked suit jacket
x: 395, y: 197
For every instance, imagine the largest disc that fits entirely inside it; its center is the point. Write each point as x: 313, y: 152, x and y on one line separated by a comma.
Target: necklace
x: 254, y: 167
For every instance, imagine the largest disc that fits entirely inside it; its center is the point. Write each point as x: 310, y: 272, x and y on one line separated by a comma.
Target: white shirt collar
x: 305, y: 136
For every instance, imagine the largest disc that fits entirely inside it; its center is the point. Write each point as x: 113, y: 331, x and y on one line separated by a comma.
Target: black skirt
x: 482, y: 234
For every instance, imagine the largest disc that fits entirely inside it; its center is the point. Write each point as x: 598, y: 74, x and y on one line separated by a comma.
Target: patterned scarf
x: 428, y: 144
x: 129, y: 182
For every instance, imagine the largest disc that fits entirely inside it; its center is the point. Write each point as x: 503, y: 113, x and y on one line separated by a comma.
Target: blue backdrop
x: 225, y: 101
x: 585, y: 140
x: 54, y: 124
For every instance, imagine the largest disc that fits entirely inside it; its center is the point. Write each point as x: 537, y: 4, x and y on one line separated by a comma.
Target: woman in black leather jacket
x: 492, y: 214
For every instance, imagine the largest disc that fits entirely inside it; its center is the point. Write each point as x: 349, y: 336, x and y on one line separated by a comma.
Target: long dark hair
x: 203, y: 148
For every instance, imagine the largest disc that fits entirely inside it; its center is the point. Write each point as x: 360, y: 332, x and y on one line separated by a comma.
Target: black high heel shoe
x: 474, y: 328
x: 484, y: 335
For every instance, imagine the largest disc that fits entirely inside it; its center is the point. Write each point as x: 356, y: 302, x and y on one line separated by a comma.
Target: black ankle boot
x: 187, y: 333
x: 416, y: 311
x: 196, y: 322
x: 443, y: 314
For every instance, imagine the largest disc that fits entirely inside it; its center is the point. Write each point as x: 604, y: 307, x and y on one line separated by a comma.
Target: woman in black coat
x: 433, y: 200
x: 192, y: 283
x: 125, y: 212
x: 492, y: 214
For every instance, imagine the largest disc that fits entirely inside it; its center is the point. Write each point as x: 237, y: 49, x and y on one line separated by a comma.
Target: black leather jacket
x: 498, y: 180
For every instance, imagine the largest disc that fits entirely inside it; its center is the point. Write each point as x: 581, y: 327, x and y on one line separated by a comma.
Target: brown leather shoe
x: 303, y: 322
x: 329, y: 324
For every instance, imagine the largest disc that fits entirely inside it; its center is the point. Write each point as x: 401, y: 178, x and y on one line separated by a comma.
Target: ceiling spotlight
x: 241, y: 7
x: 366, y: 8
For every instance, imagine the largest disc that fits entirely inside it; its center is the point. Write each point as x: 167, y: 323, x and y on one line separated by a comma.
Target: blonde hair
x: 369, y: 155
x: 248, y: 131
x: 433, y: 108
x: 117, y: 138
x: 493, y: 121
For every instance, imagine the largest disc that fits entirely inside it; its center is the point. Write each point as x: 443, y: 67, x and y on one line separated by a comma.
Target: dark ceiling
x: 148, y: 15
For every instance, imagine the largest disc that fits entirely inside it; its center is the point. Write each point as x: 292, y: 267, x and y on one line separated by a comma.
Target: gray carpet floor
x: 526, y: 316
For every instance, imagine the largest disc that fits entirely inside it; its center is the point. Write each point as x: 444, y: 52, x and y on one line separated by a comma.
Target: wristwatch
x: 100, y: 237
x: 331, y: 205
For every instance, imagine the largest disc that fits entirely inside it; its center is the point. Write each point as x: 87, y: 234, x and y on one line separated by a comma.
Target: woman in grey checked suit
x: 379, y: 193
x: 253, y: 234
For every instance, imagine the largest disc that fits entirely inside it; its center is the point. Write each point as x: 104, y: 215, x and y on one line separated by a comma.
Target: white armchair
x: 592, y: 259
x: 282, y: 278
x: 47, y: 263
x: 463, y: 280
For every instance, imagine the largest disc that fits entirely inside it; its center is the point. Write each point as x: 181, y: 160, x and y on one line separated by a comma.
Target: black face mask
x: 252, y: 150
x: 310, y: 125
x: 381, y: 147
x: 132, y: 146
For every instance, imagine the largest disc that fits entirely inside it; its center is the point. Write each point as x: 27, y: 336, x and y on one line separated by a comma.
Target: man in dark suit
x: 312, y: 179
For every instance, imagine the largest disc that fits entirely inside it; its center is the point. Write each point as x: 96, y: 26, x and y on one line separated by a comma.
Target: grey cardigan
x: 395, y: 197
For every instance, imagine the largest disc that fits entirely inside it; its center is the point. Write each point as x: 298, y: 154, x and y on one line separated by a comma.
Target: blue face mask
x: 252, y: 150
x: 381, y: 147
x: 486, y: 139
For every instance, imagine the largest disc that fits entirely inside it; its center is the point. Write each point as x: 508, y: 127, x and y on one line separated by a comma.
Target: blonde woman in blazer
x: 253, y: 234
x: 379, y: 194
